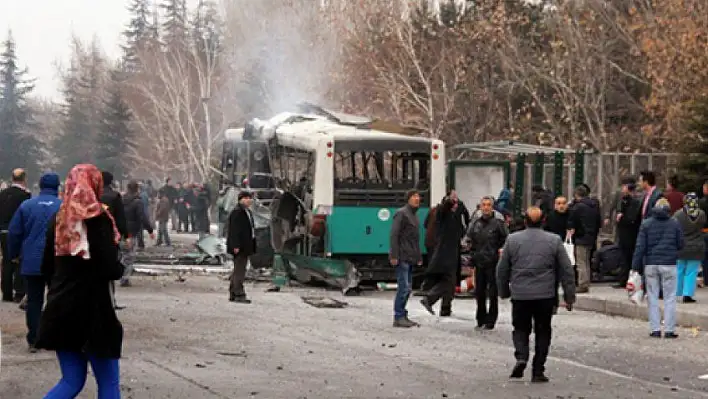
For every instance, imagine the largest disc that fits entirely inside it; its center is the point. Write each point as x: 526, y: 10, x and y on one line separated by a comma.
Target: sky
x: 42, y: 30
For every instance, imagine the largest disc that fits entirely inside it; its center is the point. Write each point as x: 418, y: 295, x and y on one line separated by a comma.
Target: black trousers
x: 443, y: 286
x: 238, y: 277
x: 525, y: 316
x: 12, y: 284
x: 36, y: 286
x: 627, y: 253
x: 485, y: 287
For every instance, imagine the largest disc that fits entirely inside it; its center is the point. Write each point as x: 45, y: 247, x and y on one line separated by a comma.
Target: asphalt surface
x: 185, y: 340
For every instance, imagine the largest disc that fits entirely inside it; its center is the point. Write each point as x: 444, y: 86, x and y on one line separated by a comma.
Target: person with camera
x: 531, y: 262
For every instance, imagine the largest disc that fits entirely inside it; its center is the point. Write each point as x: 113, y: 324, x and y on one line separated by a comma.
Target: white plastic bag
x: 635, y: 289
x: 569, y: 249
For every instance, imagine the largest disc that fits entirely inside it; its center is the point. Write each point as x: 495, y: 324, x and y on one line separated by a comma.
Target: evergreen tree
x: 693, y: 169
x: 138, y: 33
x: 175, y: 24
x: 115, y: 135
x: 72, y: 144
x: 18, y: 147
x: 207, y: 30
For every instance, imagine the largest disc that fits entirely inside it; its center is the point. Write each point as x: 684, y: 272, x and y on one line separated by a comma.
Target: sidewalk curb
x: 615, y: 307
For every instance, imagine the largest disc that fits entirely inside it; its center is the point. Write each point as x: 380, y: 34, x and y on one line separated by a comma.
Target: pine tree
x: 206, y: 30
x: 71, y: 145
x: 175, y: 24
x: 115, y: 135
x: 138, y: 34
x: 18, y: 148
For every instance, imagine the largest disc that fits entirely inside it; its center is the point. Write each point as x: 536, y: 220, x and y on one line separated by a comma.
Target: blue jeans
x: 74, y: 367
x: 658, y: 277
x: 404, y: 286
x: 687, y: 275
x: 35, y: 302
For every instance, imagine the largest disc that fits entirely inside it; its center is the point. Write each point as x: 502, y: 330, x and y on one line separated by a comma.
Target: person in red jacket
x: 674, y: 196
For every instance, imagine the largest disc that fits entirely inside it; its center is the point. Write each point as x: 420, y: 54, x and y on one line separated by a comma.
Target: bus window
x: 379, y: 178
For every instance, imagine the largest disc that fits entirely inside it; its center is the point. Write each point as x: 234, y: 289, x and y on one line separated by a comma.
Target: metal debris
x: 323, y: 302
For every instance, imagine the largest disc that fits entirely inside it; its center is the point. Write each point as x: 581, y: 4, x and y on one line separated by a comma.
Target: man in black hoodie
x: 10, y: 200
x: 136, y: 219
x: 114, y: 201
x: 584, y: 225
x: 557, y: 221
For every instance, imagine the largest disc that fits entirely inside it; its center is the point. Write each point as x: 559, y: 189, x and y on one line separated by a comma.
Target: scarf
x: 82, y: 190
x: 690, y: 205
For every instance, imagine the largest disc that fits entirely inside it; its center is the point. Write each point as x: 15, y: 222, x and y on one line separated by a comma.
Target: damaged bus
x: 341, y: 180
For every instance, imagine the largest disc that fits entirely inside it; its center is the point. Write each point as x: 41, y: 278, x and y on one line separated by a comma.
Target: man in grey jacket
x: 532, y: 261
x: 404, y: 252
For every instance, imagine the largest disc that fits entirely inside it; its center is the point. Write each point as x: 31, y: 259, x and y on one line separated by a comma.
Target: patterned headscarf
x: 82, y: 193
x: 690, y: 205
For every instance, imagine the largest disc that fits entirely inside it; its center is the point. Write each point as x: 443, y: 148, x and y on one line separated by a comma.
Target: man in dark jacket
x: 629, y: 218
x: 241, y: 243
x: 531, y: 262
x: 173, y: 197
x: 486, y: 235
x: 136, y: 219
x: 26, y: 236
x: 10, y: 200
x: 442, y: 268
x: 114, y: 201
x: 557, y: 221
x: 659, y: 243
x: 584, y: 226
x: 201, y: 211
x: 404, y: 253
x: 672, y: 194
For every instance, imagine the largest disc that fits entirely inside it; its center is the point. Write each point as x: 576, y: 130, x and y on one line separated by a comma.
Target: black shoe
x: 18, y: 298
x: 119, y: 307
x: 445, y: 313
x: 32, y: 349
x: 240, y: 299
x: 539, y: 378
x: 488, y: 327
x: 655, y: 334
x: 518, y: 370
x: 670, y: 335
x: 6, y: 299
x: 427, y: 306
x: 688, y: 299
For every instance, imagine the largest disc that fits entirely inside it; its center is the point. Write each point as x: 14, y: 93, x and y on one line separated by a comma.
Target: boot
x: 403, y: 323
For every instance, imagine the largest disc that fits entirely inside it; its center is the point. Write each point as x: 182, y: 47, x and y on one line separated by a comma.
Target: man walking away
x: 584, y: 226
x: 241, y: 243
x: 531, y: 262
x: 10, y: 199
x: 114, y: 201
x: 629, y: 218
x: 25, y: 240
x: 162, y: 217
x: 487, y: 235
x: 404, y: 253
x: 442, y: 268
x: 136, y: 219
x: 659, y: 243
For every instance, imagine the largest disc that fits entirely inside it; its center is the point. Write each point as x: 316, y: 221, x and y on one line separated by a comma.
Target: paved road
x: 184, y: 340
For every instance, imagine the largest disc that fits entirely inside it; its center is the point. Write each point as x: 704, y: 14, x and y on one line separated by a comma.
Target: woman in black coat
x: 80, y: 259
x: 442, y: 268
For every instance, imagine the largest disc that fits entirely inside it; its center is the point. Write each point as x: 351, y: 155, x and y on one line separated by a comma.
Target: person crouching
x: 531, y: 262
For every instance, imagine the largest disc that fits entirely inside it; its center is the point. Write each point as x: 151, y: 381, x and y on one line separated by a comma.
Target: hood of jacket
x: 660, y: 213
x: 591, y: 202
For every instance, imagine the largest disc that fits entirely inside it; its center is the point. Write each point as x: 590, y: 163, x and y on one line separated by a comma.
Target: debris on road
x: 323, y: 302
x: 234, y: 354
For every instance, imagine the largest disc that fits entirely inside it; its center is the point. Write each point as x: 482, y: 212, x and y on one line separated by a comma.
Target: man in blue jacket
x: 26, y: 237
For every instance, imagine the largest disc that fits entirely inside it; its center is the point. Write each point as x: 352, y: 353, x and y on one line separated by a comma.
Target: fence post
x: 579, y: 168
x: 558, y: 158
x: 519, y: 183
x: 538, y: 168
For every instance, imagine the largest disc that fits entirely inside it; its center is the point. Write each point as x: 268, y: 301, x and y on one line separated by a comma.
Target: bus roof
x: 304, y: 131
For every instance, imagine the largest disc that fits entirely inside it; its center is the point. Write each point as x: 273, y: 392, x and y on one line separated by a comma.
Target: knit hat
x: 49, y: 180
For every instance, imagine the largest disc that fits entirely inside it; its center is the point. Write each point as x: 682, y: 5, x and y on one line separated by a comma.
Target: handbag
x: 569, y: 249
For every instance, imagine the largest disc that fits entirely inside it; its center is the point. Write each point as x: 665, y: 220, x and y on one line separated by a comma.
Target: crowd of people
x: 660, y: 235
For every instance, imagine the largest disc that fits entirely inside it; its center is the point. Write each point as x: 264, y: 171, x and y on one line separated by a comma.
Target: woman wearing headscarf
x: 692, y: 219
x: 80, y: 259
